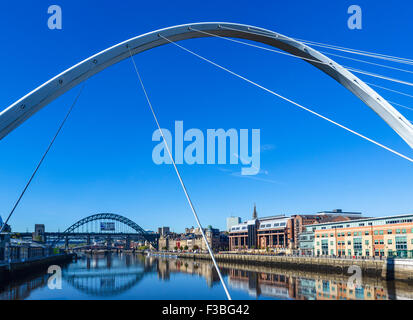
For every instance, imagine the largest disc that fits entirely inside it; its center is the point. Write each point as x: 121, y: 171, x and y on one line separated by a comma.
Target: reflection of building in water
x: 168, y: 266
x: 335, y: 290
x: 306, y: 289
x: 270, y: 285
x: 22, y: 291
x: 303, y: 287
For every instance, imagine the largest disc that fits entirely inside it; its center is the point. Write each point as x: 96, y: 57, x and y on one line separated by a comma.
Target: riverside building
x: 379, y: 237
x: 281, y: 232
x: 261, y: 233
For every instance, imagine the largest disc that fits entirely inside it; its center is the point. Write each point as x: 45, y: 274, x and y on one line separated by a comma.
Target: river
x: 127, y: 276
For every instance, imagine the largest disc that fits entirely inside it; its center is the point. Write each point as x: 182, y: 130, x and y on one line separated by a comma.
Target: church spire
x: 254, y: 214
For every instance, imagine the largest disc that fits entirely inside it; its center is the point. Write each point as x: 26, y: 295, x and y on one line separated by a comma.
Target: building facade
x: 193, y: 240
x: 260, y: 233
x: 378, y: 237
x: 281, y: 232
x: 163, y: 231
x: 303, y: 220
x: 232, y: 221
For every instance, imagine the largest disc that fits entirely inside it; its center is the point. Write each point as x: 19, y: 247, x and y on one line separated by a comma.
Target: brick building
x: 280, y: 232
x: 382, y: 236
x: 193, y: 240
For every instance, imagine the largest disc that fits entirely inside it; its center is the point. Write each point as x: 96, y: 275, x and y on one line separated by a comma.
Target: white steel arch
x: 24, y: 108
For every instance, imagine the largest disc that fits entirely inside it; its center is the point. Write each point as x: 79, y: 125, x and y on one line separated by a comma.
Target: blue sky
x: 102, y: 161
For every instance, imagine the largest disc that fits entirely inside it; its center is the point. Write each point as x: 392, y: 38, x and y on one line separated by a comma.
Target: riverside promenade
x: 386, y: 269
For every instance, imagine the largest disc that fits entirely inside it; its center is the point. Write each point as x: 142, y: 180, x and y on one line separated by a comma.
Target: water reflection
x: 132, y: 277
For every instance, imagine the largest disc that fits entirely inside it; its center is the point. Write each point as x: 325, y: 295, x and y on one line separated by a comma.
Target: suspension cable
x: 259, y: 47
x: 312, y: 60
x: 400, y: 105
x: 366, y: 62
x: 391, y: 90
x: 44, y: 156
x: 289, y: 100
x: 288, y: 54
x: 180, y: 178
x: 333, y: 47
x: 375, y: 75
x: 360, y: 52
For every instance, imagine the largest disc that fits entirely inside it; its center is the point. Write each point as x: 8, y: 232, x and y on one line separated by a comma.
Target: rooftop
x: 409, y: 216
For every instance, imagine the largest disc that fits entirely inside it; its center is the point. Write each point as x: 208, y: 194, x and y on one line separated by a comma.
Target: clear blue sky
x: 102, y: 160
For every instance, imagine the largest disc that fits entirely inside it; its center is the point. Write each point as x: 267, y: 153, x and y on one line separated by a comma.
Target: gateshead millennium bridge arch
x: 24, y: 108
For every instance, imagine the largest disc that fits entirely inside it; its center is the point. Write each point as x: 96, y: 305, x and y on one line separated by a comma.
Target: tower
x: 254, y: 214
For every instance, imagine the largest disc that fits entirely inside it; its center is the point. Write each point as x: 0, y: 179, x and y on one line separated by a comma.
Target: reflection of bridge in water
x: 110, y: 278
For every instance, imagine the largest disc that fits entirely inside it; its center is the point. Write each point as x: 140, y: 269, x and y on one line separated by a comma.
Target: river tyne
x: 138, y: 277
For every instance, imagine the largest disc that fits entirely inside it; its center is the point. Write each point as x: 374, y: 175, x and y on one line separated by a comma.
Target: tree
x: 176, y: 248
x: 196, y: 247
x: 186, y: 248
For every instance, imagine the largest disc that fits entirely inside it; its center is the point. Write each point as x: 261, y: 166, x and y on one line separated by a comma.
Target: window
x: 376, y: 241
x: 331, y: 234
x: 348, y: 234
x: 324, y: 247
x: 357, y: 246
x: 381, y: 232
x: 398, y: 231
x: 355, y: 233
x: 366, y: 233
x: 389, y: 231
x: 376, y: 232
x: 367, y: 242
x: 390, y: 241
x: 381, y: 241
x: 404, y: 231
x: 401, y: 243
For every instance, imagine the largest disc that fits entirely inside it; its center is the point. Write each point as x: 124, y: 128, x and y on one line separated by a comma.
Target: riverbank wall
x: 9, y: 271
x: 386, y: 269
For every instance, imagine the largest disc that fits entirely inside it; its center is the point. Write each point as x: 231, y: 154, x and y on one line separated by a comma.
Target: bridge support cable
x: 180, y: 179
x: 390, y: 58
x: 359, y: 52
x: 303, y: 58
x: 391, y: 90
x: 315, y: 61
x: 364, y: 72
x: 44, y: 155
x: 290, y: 101
x: 400, y: 105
